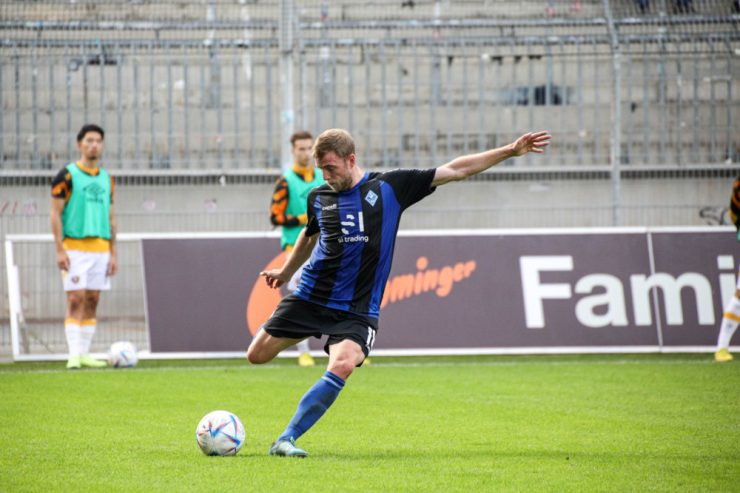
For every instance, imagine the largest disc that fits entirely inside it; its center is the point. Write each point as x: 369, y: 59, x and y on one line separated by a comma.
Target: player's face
x: 337, y: 171
x: 302, y: 152
x: 91, y: 146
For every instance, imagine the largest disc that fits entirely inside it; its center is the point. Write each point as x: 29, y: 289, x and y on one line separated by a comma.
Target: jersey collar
x: 358, y: 184
x: 306, y: 173
x: 89, y: 171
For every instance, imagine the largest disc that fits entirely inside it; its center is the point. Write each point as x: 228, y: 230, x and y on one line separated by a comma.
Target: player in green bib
x: 87, y: 215
x: 84, y: 229
x: 731, y: 316
x: 289, y: 205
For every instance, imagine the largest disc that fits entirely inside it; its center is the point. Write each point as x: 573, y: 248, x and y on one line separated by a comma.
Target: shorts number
x: 370, y: 338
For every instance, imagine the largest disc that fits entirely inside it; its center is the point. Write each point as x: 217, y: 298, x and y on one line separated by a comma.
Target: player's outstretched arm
x: 465, y: 166
x: 304, y: 245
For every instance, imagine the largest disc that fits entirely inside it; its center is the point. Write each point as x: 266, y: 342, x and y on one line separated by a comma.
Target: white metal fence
x: 215, y: 84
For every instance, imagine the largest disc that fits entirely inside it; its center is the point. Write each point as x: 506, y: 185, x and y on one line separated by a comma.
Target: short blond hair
x: 335, y: 140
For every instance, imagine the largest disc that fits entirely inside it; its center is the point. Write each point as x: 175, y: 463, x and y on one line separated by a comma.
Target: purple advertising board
x: 196, y: 290
x: 477, y: 291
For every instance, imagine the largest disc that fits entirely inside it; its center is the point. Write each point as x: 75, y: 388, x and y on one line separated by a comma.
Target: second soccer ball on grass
x: 122, y: 354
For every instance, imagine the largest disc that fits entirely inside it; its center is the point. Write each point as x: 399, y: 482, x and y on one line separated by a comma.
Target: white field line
x: 429, y: 364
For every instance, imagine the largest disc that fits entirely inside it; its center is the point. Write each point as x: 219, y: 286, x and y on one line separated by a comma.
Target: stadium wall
x: 504, y: 198
x: 456, y: 292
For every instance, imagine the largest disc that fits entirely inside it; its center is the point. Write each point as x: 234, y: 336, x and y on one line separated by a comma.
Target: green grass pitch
x: 547, y: 423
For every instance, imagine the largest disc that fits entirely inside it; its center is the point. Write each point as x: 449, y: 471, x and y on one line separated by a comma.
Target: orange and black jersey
x: 279, y: 205
x: 735, y: 204
x: 61, y: 185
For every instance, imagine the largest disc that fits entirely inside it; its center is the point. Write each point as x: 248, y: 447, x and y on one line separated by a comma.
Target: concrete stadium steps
x: 313, y: 11
x: 631, y: 8
x: 158, y: 19
x: 350, y: 10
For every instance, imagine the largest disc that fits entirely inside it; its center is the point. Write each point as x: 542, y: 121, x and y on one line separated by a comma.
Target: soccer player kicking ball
x: 350, y: 235
x: 731, y: 317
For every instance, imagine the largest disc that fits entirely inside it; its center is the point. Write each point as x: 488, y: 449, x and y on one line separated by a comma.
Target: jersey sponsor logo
x: 329, y: 207
x: 354, y: 239
x: 352, y: 221
x: 439, y: 281
x: 349, y: 222
x: 371, y: 198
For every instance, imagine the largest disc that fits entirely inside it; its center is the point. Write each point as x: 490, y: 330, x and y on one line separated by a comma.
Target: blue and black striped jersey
x: 350, y: 264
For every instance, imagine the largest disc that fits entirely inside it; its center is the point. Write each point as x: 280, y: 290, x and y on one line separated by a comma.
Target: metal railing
x: 200, y: 84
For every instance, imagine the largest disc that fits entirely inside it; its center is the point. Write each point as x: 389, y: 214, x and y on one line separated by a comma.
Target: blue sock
x: 313, y: 405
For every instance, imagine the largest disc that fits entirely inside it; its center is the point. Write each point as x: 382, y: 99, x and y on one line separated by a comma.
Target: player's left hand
x: 531, y: 142
x: 112, y: 266
x: 275, y: 278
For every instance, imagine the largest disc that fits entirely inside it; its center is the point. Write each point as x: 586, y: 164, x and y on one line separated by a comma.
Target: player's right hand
x: 63, y: 260
x: 275, y: 278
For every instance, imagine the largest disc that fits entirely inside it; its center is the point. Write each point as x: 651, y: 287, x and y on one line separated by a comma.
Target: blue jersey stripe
x: 310, y: 275
x: 350, y: 208
x: 391, y: 214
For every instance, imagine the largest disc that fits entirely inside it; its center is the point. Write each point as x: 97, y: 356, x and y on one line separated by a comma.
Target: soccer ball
x: 220, y: 433
x: 122, y: 355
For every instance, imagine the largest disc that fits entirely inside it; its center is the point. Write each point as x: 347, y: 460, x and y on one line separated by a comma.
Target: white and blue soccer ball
x: 220, y: 433
x: 122, y: 354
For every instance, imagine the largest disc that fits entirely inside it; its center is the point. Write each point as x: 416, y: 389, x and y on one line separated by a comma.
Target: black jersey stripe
x: 372, y: 211
x: 318, y: 277
x: 389, y: 228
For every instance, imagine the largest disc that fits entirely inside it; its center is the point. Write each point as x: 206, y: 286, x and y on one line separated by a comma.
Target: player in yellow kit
x: 731, y: 316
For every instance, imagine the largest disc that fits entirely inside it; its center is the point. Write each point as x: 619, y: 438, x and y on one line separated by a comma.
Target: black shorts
x: 295, y: 318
